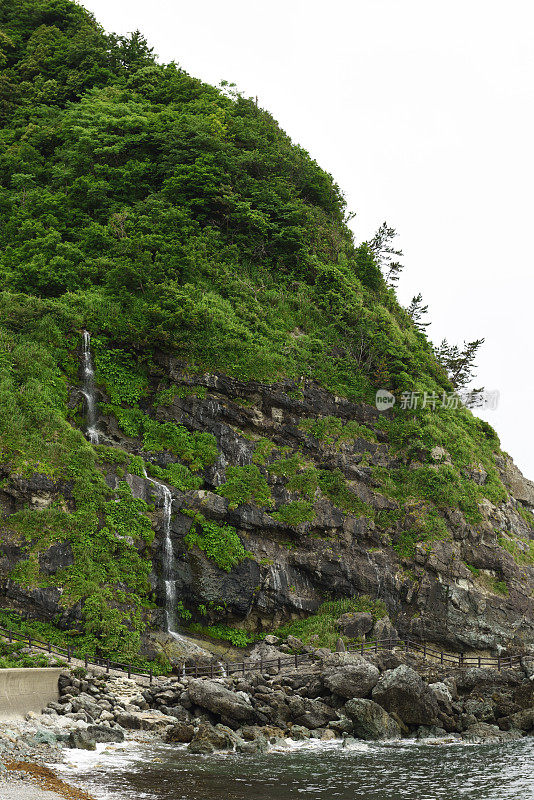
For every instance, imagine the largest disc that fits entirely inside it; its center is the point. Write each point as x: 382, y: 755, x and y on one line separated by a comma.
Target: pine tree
x: 460, y: 366
x: 383, y: 253
x: 417, y: 310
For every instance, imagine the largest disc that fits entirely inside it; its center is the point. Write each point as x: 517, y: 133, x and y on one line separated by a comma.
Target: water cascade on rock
x: 168, y: 561
x: 169, y: 582
x: 88, y: 389
x: 168, y: 575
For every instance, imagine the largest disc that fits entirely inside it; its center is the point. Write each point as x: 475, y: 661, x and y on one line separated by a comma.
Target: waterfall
x: 88, y: 389
x: 168, y: 572
x: 168, y: 561
x: 168, y: 557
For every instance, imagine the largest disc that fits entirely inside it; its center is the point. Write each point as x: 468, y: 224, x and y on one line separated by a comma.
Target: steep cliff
x: 190, y: 348
x: 307, y: 496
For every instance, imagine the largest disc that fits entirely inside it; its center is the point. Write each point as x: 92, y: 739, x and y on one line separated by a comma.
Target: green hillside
x: 165, y: 215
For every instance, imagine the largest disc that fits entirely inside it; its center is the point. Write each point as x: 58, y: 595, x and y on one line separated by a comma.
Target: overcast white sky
x: 423, y: 112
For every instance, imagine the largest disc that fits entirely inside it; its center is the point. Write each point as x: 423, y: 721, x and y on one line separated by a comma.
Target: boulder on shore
x: 384, y: 631
x: 310, y: 713
x: 81, y: 740
x: 181, y: 733
x: 482, y: 732
x: 353, y: 680
x: 403, y: 692
x: 145, y: 720
x: 219, y: 700
x: 370, y: 721
x: 210, y: 738
x: 100, y: 733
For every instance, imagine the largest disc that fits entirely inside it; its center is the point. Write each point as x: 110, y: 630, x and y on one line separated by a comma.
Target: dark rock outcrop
x: 431, y: 595
x: 219, y: 700
x: 352, y: 680
x: 403, y: 692
x: 370, y: 721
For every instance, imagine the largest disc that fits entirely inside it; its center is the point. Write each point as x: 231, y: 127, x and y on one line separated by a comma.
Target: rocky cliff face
x: 331, y: 528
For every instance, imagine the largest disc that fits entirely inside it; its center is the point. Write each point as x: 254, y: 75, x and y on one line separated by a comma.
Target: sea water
x: 313, y: 770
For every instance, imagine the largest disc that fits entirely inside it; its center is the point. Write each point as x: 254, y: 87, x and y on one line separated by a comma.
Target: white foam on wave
x: 113, y: 754
x: 82, y: 766
x: 318, y: 745
x: 350, y: 745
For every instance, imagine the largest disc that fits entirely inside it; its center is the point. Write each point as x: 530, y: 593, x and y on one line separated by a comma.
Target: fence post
x: 441, y: 658
x: 461, y: 659
x: 107, y: 664
x: 10, y: 636
x: 129, y: 670
x: 196, y: 670
x: 49, y: 647
x: 150, y: 675
x: 68, y: 654
x: 424, y: 652
x: 29, y: 641
x: 296, y: 660
x: 227, y: 668
x: 376, y: 646
x: 498, y: 662
x: 279, y: 665
x: 86, y: 661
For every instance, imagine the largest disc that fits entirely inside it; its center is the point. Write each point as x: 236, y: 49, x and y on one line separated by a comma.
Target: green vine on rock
x: 220, y: 543
x: 245, y: 485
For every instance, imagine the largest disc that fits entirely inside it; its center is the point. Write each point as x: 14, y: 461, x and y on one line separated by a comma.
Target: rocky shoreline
x: 340, y: 696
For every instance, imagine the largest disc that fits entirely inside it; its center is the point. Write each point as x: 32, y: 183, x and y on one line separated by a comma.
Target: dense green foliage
x: 295, y: 513
x: 177, y: 475
x: 12, y: 655
x: 80, y: 642
x: 245, y: 485
x: 236, y: 636
x: 177, y: 214
x: 332, y: 430
x: 521, y: 550
x: 305, y: 480
x: 219, y: 542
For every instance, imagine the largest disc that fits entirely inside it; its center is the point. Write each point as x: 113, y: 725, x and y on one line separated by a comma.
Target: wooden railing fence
x: 213, y: 670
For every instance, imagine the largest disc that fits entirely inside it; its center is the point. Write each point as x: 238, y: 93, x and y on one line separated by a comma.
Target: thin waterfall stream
x: 169, y: 581
x: 88, y: 389
x: 168, y: 574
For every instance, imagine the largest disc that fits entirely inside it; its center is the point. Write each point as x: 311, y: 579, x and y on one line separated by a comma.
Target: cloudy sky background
x: 423, y: 113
